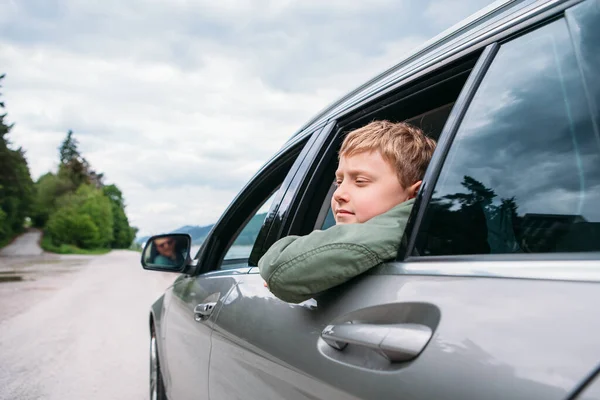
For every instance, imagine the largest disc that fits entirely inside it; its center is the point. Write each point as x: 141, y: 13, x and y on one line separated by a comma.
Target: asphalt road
x: 75, y: 327
x: 24, y: 245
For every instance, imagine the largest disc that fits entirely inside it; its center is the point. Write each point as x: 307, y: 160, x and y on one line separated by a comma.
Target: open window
x: 425, y: 103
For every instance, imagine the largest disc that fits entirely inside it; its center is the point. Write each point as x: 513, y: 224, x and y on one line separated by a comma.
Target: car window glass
x: 523, y: 173
x: 242, y: 245
x: 326, y: 219
x: 585, y: 33
x: 329, y: 219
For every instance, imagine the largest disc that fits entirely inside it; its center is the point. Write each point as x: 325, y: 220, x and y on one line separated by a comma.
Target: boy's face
x: 367, y: 186
x: 165, y: 246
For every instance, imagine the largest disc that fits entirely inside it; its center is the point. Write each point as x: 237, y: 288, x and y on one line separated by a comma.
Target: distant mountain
x: 142, y: 239
x: 199, y: 233
x: 250, y: 232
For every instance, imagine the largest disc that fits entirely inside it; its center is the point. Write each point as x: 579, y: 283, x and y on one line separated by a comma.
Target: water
x: 235, y: 251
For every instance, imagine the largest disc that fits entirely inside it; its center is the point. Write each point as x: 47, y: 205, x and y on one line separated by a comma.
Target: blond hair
x: 404, y: 146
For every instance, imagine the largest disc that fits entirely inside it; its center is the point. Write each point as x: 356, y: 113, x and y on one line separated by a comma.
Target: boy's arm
x: 298, y: 267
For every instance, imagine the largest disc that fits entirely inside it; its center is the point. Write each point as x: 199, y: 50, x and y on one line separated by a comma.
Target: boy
x: 380, y: 170
x: 167, y: 252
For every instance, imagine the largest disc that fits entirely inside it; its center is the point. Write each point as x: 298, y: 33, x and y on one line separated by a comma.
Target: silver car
x: 495, y: 293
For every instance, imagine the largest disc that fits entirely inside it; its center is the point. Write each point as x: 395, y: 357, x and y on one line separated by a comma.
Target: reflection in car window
x: 585, y: 33
x: 523, y: 173
x: 242, y: 246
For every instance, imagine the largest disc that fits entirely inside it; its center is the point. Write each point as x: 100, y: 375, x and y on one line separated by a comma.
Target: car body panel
x: 495, y: 337
x: 186, y: 345
x: 247, y: 342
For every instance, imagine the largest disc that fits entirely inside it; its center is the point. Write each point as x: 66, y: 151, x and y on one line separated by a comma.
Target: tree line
x: 72, y: 205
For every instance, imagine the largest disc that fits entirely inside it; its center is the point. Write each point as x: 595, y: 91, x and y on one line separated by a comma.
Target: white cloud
x: 444, y: 13
x: 180, y: 102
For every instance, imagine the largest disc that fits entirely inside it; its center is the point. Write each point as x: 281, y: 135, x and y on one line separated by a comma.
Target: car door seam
x: 212, y: 331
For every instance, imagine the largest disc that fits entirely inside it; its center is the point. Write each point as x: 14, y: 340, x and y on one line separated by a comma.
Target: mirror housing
x: 168, y: 252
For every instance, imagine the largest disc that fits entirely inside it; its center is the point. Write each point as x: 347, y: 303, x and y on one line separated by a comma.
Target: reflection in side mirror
x: 169, y: 252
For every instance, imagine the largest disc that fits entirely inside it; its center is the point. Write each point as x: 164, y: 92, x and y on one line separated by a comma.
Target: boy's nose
x: 340, y: 195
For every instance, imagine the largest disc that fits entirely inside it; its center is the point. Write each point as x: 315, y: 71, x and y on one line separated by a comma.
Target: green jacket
x: 298, y: 267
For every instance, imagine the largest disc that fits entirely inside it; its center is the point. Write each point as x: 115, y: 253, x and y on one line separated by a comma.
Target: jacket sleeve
x: 298, y: 267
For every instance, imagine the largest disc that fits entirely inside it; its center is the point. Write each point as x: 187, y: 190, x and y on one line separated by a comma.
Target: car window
x: 430, y: 121
x: 238, y: 253
x: 523, y: 172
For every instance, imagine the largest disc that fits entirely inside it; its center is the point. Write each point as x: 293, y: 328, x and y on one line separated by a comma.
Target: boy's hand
x: 265, y: 284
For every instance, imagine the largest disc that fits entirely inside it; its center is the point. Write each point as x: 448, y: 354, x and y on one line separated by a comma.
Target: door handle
x: 203, y: 310
x: 396, y: 342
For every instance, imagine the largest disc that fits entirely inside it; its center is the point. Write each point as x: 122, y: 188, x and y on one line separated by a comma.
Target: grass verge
x: 47, y: 245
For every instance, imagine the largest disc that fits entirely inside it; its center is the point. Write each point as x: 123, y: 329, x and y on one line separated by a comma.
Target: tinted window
x: 523, y: 173
x: 583, y: 20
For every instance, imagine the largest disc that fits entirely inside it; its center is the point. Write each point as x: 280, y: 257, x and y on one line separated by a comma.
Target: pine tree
x: 72, y: 165
x: 16, y: 186
x: 68, y: 149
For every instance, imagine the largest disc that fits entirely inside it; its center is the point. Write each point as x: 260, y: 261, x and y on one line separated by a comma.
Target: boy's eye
x: 337, y: 182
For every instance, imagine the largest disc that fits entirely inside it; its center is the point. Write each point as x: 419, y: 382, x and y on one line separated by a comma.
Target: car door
x: 188, y: 325
x: 241, y: 366
x: 196, y: 297
x: 494, y: 294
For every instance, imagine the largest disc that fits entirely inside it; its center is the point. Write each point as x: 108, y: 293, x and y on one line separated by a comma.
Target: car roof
x: 475, y: 28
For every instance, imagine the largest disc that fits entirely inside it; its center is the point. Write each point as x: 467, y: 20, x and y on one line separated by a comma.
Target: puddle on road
x: 47, y: 262
x: 17, y: 271
x: 11, y: 278
x: 47, y: 288
x: 44, y: 263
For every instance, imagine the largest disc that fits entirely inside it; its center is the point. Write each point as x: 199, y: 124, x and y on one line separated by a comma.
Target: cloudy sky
x: 179, y: 102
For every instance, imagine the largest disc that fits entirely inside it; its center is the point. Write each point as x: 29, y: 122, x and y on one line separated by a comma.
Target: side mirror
x: 170, y: 252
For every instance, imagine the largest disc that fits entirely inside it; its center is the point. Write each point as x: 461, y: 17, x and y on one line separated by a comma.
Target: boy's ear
x: 414, y: 189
